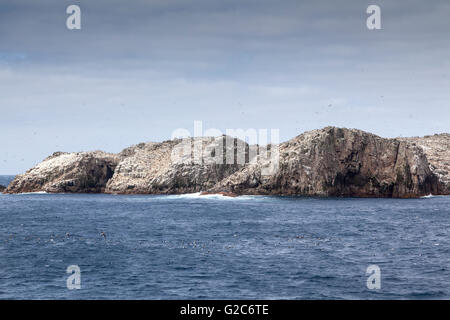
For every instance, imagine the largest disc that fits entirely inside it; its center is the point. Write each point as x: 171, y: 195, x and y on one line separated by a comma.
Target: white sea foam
x: 427, y: 197
x: 37, y: 192
x: 208, y: 196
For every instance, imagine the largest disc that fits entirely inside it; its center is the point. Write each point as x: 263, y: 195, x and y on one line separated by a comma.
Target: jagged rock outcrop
x: 326, y: 162
x: 340, y: 162
x: 81, y: 172
x: 2, y: 188
x: 437, y: 150
x: 176, y: 166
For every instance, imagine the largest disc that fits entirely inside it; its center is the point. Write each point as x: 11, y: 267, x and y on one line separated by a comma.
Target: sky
x: 138, y: 70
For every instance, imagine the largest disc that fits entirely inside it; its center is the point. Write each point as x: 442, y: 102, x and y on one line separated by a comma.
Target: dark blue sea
x: 213, y: 247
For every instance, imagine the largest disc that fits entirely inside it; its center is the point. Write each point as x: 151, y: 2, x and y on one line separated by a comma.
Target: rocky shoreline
x: 328, y: 162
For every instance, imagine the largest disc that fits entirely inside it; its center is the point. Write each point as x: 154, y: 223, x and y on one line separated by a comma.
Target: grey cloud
x: 140, y: 69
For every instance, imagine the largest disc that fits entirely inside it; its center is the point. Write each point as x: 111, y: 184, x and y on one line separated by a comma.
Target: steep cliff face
x: 437, y: 150
x: 82, y: 172
x: 340, y: 162
x: 176, y: 166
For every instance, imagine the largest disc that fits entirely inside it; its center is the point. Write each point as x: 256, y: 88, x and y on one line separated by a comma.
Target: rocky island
x: 327, y: 162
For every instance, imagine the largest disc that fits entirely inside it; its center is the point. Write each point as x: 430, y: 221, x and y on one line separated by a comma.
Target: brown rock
x: 166, y: 168
x: 437, y: 150
x: 81, y: 172
x: 326, y: 162
x: 340, y: 162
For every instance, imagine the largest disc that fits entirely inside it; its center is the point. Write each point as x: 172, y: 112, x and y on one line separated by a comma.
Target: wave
x: 36, y: 192
x: 427, y: 197
x: 198, y: 195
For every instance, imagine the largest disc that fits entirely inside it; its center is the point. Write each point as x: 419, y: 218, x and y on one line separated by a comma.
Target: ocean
x: 214, y: 247
x: 5, y: 180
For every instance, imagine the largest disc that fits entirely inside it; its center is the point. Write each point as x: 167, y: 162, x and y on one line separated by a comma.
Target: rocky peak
x: 340, y: 162
x: 178, y: 166
x: 437, y: 150
x: 85, y: 172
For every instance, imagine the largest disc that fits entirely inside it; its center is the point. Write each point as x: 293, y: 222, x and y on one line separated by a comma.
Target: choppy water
x: 181, y: 247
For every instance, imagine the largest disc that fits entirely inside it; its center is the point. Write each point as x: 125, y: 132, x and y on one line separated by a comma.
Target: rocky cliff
x: 340, y: 162
x: 326, y: 162
x: 2, y: 188
x: 176, y: 166
x: 437, y: 151
x: 81, y: 172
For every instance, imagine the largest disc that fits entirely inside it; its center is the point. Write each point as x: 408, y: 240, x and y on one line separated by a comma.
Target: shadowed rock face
x: 437, y: 151
x: 2, y: 188
x: 340, y: 162
x: 326, y: 162
x: 82, y: 172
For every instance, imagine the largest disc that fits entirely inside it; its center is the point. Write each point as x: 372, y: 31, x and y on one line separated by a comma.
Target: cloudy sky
x: 137, y: 70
